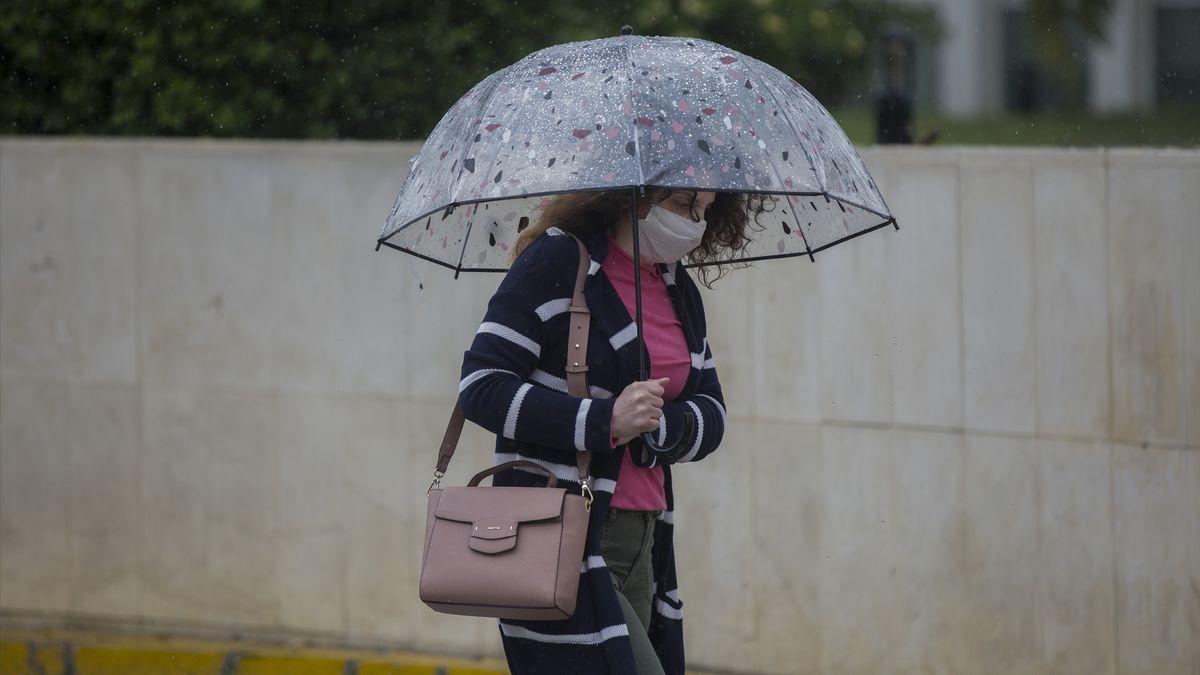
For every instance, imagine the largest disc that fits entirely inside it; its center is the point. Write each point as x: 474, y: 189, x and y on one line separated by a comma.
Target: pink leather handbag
x: 506, y: 551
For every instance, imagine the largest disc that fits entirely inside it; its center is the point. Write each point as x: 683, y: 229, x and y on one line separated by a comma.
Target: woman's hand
x: 638, y: 409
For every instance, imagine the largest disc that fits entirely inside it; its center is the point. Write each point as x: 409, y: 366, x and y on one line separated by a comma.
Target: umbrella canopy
x: 631, y: 111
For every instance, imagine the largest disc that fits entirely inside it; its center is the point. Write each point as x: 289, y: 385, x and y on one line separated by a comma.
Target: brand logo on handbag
x: 493, y: 527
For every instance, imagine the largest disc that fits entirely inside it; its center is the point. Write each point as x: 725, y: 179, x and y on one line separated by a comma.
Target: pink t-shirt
x: 639, y: 488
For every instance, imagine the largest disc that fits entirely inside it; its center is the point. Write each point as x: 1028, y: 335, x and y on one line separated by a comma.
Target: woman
x: 628, y: 615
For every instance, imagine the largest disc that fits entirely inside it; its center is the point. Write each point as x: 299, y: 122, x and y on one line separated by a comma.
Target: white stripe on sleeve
x: 699, y: 434
x: 559, y: 384
x: 511, y: 335
x: 623, y: 336
x: 666, y: 610
x: 514, y: 409
x: 606, y: 633
x: 479, y: 374
x: 604, y: 485
x: 720, y: 408
x: 581, y: 423
x: 552, y: 308
x: 563, y: 472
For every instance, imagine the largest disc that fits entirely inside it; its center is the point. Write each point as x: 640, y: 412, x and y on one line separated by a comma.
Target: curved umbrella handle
x: 689, y: 423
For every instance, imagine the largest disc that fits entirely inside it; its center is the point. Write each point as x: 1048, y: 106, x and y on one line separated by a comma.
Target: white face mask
x: 666, y: 236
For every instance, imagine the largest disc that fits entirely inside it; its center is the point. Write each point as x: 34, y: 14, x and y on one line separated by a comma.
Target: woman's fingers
x: 647, y: 393
x: 646, y: 422
x: 651, y: 409
x: 649, y: 397
x: 653, y: 387
x: 640, y: 405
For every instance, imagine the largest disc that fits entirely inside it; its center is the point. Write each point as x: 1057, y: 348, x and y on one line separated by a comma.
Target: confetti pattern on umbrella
x: 631, y: 111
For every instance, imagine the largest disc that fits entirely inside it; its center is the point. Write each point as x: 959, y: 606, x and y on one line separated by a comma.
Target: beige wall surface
x: 968, y: 446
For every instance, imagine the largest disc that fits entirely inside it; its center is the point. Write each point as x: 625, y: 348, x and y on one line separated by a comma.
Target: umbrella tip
x: 626, y: 29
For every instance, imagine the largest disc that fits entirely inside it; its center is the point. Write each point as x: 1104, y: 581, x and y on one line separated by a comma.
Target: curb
x: 62, y: 652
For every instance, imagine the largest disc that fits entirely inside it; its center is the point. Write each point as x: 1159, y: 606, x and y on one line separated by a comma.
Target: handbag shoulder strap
x: 577, y: 343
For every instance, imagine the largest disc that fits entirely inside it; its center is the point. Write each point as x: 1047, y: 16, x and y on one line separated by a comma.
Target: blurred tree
x: 364, y: 68
x: 1060, y: 30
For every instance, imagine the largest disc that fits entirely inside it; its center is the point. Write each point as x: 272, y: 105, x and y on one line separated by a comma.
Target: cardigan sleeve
x: 494, y: 390
x: 707, y: 404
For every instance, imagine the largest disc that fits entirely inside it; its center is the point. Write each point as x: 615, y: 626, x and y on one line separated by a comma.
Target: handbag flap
x: 517, y: 504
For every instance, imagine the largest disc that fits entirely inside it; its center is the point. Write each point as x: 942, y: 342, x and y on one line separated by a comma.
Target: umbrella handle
x: 689, y: 423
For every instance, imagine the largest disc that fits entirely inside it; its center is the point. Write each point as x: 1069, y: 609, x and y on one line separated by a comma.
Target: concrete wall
x: 972, y: 445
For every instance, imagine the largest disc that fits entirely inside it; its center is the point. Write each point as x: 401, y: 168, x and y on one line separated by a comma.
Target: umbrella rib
x: 528, y: 195
x: 500, y: 270
x: 800, y: 229
x: 453, y: 191
x: 386, y: 241
x: 877, y: 190
x: 637, y: 152
x: 776, y: 91
x: 484, y: 102
x: 886, y: 222
x: 813, y: 167
x: 466, y: 238
x: 422, y: 256
x: 771, y: 163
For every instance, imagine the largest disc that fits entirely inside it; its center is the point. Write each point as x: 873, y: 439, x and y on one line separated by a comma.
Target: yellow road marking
x: 57, y: 652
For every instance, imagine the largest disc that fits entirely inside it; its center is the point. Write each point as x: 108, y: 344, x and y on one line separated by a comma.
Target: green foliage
x: 1053, y: 24
x: 364, y: 68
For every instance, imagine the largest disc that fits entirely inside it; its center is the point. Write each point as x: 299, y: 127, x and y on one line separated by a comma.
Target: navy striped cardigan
x: 513, y: 383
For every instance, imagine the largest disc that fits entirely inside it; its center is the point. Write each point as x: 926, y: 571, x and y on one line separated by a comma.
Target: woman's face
x: 681, y: 202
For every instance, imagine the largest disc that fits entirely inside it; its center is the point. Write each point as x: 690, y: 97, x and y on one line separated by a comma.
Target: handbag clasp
x: 587, y: 494
x: 437, y: 480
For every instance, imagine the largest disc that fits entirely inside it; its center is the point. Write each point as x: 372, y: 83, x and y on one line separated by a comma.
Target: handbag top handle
x: 576, y: 373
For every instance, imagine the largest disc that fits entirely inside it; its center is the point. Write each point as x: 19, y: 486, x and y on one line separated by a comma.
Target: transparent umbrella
x: 631, y: 112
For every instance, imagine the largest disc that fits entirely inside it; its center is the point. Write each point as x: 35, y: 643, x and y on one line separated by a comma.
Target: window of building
x: 1177, y: 54
x: 1028, y: 85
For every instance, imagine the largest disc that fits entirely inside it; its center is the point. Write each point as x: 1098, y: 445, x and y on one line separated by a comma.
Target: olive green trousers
x: 626, y: 540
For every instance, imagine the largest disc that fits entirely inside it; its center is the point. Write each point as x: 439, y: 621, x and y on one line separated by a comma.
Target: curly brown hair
x: 726, y: 219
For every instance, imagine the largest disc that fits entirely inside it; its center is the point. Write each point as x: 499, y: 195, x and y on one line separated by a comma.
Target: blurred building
x: 985, y: 63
